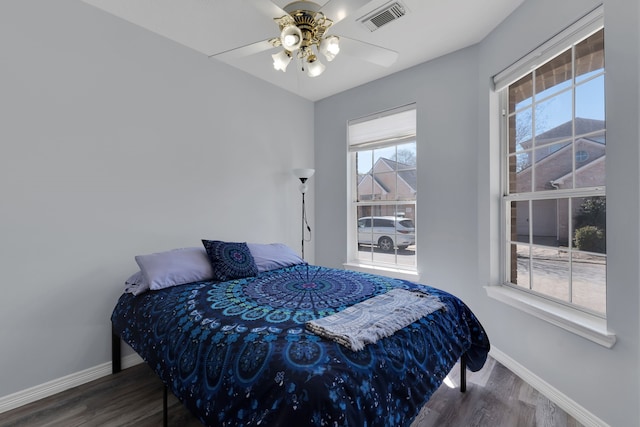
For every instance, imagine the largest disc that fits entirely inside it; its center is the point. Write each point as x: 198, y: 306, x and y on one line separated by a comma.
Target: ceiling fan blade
x: 242, y: 51
x: 268, y: 8
x: 369, y: 52
x: 337, y: 10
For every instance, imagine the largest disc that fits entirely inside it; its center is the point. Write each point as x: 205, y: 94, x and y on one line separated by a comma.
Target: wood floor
x: 495, y: 397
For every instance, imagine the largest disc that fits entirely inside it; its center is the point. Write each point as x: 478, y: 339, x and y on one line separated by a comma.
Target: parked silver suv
x: 386, y: 232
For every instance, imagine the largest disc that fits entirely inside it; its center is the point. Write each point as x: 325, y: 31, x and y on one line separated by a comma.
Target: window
x: 382, y: 154
x: 582, y: 156
x: 554, y: 148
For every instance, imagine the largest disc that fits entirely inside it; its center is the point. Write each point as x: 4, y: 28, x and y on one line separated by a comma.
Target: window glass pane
x: 406, y: 156
x: 553, y: 167
x: 589, y: 278
x: 550, y: 222
x: 543, y: 222
x: 519, y: 271
x: 563, y: 224
x: 407, y: 174
x: 520, y: 93
x: 364, y: 164
x: 383, y: 159
x: 554, y: 76
x: 521, y: 131
x: 386, y: 234
x: 590, y: 106
x: 364, y: 160
x: 589, y: 224
x: 407, y: 185
x: 550, y: 272
x: 554, y: 118
x: 520, y: 173
x: 385, y: 185
x: 590, y: 56
x: 523, y: 161
x: 520, y: 221
x: 590, y: 161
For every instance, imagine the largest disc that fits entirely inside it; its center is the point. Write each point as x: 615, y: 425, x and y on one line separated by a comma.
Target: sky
x: 558, y: 108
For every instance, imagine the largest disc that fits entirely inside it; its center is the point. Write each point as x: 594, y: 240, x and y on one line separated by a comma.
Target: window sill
x: 396, y: 273
x: 586, y: 325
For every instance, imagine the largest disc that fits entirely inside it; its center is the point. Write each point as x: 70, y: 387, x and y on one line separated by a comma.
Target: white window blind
x: 581, y: 29
x: 383, y: 129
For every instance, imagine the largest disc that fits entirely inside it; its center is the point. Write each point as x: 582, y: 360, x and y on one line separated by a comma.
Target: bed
x: 239, y: 352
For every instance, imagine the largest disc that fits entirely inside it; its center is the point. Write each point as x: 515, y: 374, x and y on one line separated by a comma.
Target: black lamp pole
x: 303, y: 175
x: 302, y: 219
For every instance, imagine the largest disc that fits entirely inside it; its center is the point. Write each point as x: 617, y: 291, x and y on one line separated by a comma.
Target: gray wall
x: 115, y: 142
x: 458, y: 203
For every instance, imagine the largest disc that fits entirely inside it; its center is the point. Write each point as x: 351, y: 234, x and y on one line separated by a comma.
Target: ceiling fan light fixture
x: 281, y: 60
x: 291, y: 38
x: 330, y: 47
x: 314, y: 67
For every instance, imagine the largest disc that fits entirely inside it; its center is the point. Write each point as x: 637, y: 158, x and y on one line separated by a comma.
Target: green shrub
x: 593, y: 211
x: 590, y: 238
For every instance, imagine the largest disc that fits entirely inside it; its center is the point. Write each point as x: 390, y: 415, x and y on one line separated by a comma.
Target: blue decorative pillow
x: 230, y: 260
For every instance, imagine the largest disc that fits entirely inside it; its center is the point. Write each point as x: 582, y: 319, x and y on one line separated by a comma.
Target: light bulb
x: 290, y: 40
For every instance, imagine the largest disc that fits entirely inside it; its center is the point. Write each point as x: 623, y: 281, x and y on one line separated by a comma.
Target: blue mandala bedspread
x: 237, y: 353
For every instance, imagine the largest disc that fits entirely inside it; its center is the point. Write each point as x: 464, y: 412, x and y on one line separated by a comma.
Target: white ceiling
x: 429, y: 29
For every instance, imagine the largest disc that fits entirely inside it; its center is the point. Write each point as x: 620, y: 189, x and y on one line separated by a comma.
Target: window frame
x: 590, y: 325
x: 354, y: 262
x: 535, y: 195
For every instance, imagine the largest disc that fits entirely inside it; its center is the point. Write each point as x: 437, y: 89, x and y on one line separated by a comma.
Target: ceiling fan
x: 303, y: 27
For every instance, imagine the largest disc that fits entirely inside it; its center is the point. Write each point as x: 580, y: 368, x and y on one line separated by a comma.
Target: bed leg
x: 165, y: 408
x: 463, y: 375
x: 116, y: 363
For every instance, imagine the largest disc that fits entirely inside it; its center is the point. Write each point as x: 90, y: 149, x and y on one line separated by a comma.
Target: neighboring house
x: 552, y: 167
x: 388, y: 180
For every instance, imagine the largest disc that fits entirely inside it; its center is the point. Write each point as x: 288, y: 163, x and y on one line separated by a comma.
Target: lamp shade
x: 330, y: 47
x: 281, y: 60
x: 314, y: 67
x: 291, y: 38
x: 303, y: 173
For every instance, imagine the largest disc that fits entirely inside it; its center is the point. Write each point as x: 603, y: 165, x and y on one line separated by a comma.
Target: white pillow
x: 273, y: 255
x: 176, y: 267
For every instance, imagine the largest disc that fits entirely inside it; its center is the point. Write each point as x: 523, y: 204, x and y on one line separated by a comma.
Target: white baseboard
x: 15, y: 400
x: 563, y: 401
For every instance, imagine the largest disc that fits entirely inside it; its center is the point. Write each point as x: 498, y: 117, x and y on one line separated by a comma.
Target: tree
x: 590, y: 225
x: 593, y: 211
x: 405, y: 156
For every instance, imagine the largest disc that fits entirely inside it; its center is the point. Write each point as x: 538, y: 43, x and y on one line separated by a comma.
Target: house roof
x: 583, y: 127
x: 405, y: 171
x: 407, y: 175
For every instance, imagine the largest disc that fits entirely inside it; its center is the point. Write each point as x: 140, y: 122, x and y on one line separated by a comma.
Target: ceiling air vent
x: 383, y: 15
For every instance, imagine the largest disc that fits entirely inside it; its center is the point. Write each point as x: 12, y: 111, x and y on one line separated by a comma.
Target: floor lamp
x: 303, y: 175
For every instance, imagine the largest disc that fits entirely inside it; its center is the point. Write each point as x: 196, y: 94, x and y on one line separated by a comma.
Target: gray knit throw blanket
x: 378, y: 317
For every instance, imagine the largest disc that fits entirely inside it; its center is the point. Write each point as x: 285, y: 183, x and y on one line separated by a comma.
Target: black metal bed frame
x: 116, y: 366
